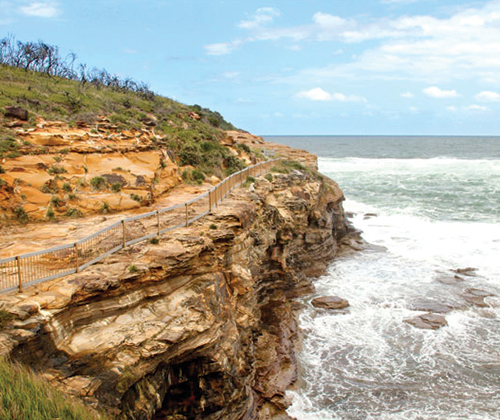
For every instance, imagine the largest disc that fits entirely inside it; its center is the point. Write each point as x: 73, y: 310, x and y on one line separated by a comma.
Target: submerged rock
x: 451, y: 280
x: 330, y: 302
x: 429, y: 306
x: 427, y: 321
x: 467, y: 271
x: 476, y: 297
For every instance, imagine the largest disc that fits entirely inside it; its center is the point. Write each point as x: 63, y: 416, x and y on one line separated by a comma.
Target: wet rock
x: 451, y: 280
x: 330, y: 302
x: 429, y: 306
x: 369, y: 215
x: 476, y: 297
x: 467, y: 271
x: 427, y: 321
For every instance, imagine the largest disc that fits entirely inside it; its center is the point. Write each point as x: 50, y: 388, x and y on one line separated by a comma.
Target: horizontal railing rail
x: 48, y: 264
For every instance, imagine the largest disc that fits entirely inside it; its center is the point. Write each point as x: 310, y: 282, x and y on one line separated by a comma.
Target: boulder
x: 16, y: 112
x: 330, y: 302
x: 476, y: 297
x: 427, y: 321
x: 429, y: 306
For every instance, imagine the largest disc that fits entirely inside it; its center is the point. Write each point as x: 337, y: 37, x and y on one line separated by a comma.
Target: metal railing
x: 36, y: 267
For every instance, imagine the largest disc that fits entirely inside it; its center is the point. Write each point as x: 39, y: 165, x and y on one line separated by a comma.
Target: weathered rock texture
x: 200, y: 325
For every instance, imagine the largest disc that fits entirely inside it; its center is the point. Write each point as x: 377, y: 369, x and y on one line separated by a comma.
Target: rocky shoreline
x: 200, y: 325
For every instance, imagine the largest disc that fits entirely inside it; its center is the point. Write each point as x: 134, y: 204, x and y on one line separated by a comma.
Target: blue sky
x: 290, y: 66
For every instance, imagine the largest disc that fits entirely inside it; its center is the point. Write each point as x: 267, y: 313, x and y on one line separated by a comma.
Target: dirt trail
x: 19, y: 239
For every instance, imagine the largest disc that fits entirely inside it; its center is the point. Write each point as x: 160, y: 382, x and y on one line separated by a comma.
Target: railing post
x: 19, y: 277
x: 210, y: 201
x: 124, y: 241
x: 158, y: 221
x: 77, y: 265
x: 187, y: 216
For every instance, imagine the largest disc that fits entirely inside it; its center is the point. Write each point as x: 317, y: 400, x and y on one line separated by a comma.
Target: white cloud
x: 263, y: 16
x: 435, y: 92
x: 230, y: 74
x: 316, y: 94
x: 39, y: 9
x: 221, y: 48
x: 407, y: 95
x: 413, y: 109
x: 451, y: 108
x: 350, y: 98
x: 487, y: 96
x: 477, y: 108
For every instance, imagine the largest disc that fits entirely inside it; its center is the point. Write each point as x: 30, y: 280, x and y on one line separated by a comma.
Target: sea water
x: 437, y: 207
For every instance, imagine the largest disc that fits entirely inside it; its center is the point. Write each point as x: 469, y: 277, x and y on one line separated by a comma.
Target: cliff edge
x: 198, y: 326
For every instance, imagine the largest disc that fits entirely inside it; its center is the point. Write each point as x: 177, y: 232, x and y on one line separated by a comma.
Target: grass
x: 24, y: 396
x: 5, y: 317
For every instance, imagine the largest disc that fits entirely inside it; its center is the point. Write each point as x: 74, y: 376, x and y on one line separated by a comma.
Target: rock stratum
x: 198, y: 326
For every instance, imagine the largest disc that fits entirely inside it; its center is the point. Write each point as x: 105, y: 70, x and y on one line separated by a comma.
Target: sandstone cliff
x: 199, y: 326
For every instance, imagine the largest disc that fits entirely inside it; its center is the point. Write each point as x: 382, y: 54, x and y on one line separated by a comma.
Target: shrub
x: 105, y: 207
x: 50, y: 213
x: 72, y: 197
x: 198, y: 175
x: 66, y: 187
x: 74, y: 212
x: 13, y: 155
x: 269, y: 177
x: 2, y: 182
x: 56, y: 201
x: 116, y: 187
x: 136, y: 197
x: 98, y: 183
x: 21, y: 215
x: 2, y: 170
x: 57, y: 159
x: 213, y: 226
x: 4, y: 317
x: 154, y: 241
x: 133, y: 269
x: 56, y: 169
x: 243, y: 147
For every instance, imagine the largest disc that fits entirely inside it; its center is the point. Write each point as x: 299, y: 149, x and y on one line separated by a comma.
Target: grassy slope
x: 23, y: 396
x: 55, y: 98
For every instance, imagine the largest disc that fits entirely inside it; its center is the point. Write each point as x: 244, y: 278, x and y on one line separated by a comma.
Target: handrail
x: 48, y: 264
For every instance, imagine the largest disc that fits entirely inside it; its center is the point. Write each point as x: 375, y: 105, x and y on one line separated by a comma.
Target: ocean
x: 437, y: 207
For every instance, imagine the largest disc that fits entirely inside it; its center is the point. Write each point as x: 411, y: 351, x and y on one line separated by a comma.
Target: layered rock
x: 200, y: 325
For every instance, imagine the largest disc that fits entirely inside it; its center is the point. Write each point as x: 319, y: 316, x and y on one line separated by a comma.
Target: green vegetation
x: 50, y: 213
x: 250, y: 180
x: 116, y: 187
x: 136, y: 197
x: 133, y: 269
x: 24, y: 396
x: 191, y: 134
x: 98, y: 183
x: 56, y: 201
x: 104, y: 207
x: 67, y: 187
x: 74, y: 212
x: 21, y: 215
x: 154, y: 241
x: 5, y: 317
x: 269, y: 177
x: 2, y: 170
x: 213, y: 226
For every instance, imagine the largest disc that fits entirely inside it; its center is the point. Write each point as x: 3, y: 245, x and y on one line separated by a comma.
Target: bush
x: 133, y: 269
x: 116, y: 187
x: 5, y: 317
x: 154, y: 241
x: 74, y: 212
x: 50, y: 213
x: 269, y: 177
x: 66, y: 187
x: 136, y: 197
x: 56, y: 169
x: 98, y: 183
x: 2, y: 170
x: 105, y: 207
x: 56, y: 201
x: 21, y: 215
x: 213, y: 226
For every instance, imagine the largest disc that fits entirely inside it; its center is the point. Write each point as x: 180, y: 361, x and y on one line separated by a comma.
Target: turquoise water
x: 437, y: 202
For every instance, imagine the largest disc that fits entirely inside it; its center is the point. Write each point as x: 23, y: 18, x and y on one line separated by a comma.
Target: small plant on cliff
x: 2, y: 182
x: 250, y: 180
x: 66, y: 187
x: 2, y: 170
x: 213, y: 226
x: 116, y: 187
x: 136, y: 197
x: 50, y: 213
x: 98, y: 183
x: 57, y: 159
x: 21, y: 215
x: 73, y: 212
x: 269, y: 177
x: 154, y: 241
x: 5, y: 317
x: 56, y: 169
x: 104, y: 208
x: 56, y: 201
x: 133, y: 269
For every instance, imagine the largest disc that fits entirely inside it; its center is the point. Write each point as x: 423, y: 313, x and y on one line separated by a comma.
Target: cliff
x: 198, y: 326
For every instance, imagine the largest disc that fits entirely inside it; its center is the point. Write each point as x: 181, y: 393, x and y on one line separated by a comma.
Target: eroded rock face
x: 203, y: 327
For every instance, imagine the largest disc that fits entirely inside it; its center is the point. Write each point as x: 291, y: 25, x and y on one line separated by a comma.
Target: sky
x: 293, y: 67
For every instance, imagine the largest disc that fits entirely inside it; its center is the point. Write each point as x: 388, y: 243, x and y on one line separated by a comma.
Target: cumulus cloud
x: 435, y: 92
x: 315, y: 94
x: 41, y: 9
x: 348, y: 98
x: 407, y: 95
x: 487, y: 96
